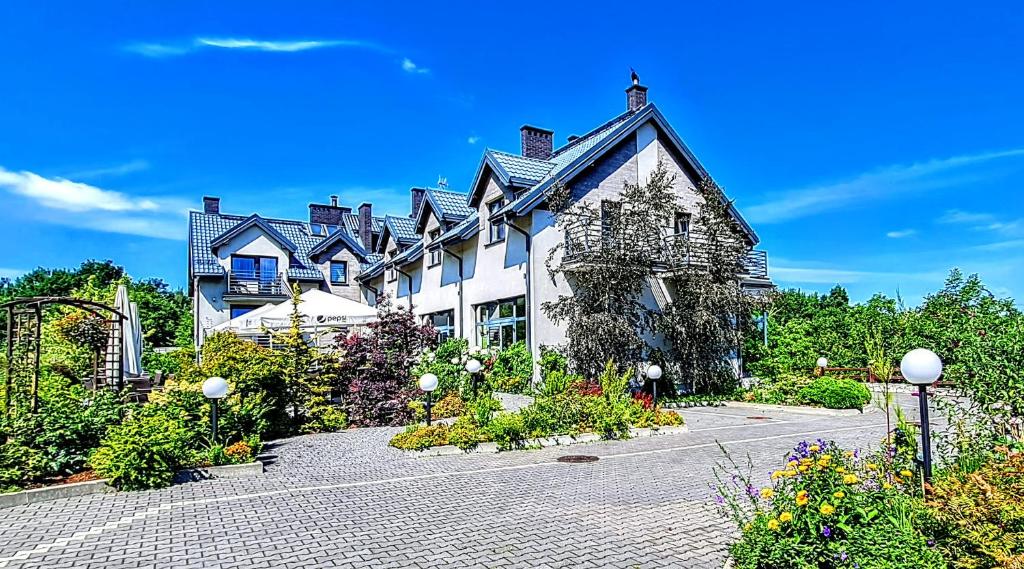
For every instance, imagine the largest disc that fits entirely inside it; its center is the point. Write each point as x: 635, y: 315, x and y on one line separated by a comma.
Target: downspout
x: 462, y: 323
x: 529, y: 296
x: 195, y: 316
x: 409, y: 277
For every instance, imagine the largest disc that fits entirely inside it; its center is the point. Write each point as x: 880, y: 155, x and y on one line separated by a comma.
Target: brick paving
x: 347, y: 500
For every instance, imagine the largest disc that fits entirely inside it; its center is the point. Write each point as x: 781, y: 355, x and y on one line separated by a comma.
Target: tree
x: 374, y: 367
x: 709, y: 314
x: 611, y: 254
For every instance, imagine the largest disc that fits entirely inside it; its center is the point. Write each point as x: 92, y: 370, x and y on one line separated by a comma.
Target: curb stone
x: 56, y: 492
x: 794, y: 409
x: 226, y: 471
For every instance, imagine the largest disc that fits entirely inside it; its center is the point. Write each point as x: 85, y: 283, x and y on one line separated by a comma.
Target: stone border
x: 225, y: 471
x: 558, y: 440
x: 54, y: 492
x: 794, y: 409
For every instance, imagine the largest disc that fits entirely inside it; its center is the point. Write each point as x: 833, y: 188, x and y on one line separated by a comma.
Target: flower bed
x: 566, y: 406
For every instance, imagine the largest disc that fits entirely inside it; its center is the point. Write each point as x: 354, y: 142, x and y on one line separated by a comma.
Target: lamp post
x: 428, y: 383
x: 654, y: 374
x: 821, y: 364
x: 474, y: 366
x: 215, y: 389
x: 922, y: 368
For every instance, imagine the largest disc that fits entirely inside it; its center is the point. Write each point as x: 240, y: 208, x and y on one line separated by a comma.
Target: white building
x: 472, y: 264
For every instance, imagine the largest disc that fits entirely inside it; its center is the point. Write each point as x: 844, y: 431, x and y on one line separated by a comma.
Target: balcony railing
x: 585, y: 243
x: 256, y: 283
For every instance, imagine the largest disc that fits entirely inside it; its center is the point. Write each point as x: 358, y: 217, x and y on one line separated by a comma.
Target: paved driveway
x: 346, y: 500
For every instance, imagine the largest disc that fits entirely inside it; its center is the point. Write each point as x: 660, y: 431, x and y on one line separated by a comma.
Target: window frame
x: 488, y: 318
x: 344, y: 272
x: 446, y: 331
x: 436, y: 255
x: 496, y: 230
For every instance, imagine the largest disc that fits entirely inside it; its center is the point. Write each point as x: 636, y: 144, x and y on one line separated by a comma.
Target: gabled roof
x: 574, y: 157
x: 462, y: 230
x: 447, y: 206
x: 409, y: 255
x: 205, y: 228
x: 402, y: 229
x: 255, y: 220
x: 343, y: 236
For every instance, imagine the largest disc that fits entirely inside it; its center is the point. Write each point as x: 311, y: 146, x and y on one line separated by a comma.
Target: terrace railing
x: 256, y: 283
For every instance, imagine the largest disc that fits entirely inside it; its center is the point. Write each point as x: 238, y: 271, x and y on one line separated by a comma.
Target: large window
x: 496, y: 228
x: 681, y: 225
x: 263, y: 269
x: 435, y: 251
x: 339, y: 272
x: 501, y: 323
x: 443, y: 322
x: 238, y: 310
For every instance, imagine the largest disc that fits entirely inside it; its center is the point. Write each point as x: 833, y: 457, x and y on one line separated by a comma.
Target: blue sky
x: 875, y: 145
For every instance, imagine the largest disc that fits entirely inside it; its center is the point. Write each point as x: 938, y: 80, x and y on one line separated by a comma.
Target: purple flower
x: 752, y: 491
x: 843, y: 556
x: 719, y: 499
x: 826, y: 531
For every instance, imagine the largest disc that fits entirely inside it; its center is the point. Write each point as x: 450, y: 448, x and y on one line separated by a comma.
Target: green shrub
x: 513, y: 369
x: 556, y: 382
x: 450, y: 405
x: 482, y: 408
x: 447, y: 362
x: 465, y: 433
x: 507, y: 429
x: 421, y: 437
x: 19, y: 465
x: 783, y: 390
x: 552, y: 361
x: 836, y: 393
x: 982, y: 514
x: 146, y: 450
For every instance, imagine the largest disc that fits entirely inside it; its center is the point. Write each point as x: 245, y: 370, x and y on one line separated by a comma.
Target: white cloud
x: 410, y: 67
x: 157, y: 50
x: 283, y: 46
x: 901, y: 233
x: 958, y: 216
x: 473, y: 139
x: 76, y: 204
x: 879, y: 184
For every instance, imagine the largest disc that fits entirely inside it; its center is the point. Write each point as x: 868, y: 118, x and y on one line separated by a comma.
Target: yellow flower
x: 850, y: 479
x: 789, y: 473
x: 777, y: 474
x: 887, y: 486
x: 785, y: 517
x: 806, y: 461
x: 767, y: 493
x: 792, y: 464
x: 848, y: 454
x: 814, y: 448
x: 906, y: 474
x: 897, y: 479
x: 839, y: 495
x: 801, y: 498
x: 840, y: 469
x: 823, y: 462
x: 827, y: 509
x: 803, y: 468
x: 773, y: 525
x: 747, y: 526
x: 872, y: 467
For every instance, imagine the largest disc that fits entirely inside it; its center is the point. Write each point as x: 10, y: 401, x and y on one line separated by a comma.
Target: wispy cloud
x: 473, y: 139
x: 900, y: 234
x: 409, y: 67
x: 111, y: 171
x: 884, y: 183
x: 161, y: 50
x: 958, y: 216
x: 95, y: 208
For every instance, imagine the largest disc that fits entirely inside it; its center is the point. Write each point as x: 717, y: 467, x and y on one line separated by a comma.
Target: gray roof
x: 521, y: 167
x: 450, y: 206
x: 403, y: 229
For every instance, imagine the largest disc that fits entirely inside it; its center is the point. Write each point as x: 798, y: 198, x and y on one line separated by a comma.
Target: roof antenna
x: 634, y: 76
x: 442, y: 183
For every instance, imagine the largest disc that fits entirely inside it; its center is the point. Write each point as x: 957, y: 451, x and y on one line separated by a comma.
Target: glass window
x: 263, y: 269
x: 238, y: 310
x: 681, y: 226
x: 496, y: 229
x: 501, y: 323
x: 435, y: 252
x: 443, y: 322
x: 339, y: 272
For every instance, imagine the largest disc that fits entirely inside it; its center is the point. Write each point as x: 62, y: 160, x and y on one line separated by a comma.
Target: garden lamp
x: 474, y: 366
x: 654, y: 374
x: 822, y: 363
x: 428, y: 383
x: 922, y: 368
x: 215, y: 389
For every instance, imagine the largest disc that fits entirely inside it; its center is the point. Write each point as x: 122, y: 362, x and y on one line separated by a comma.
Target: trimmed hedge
x: 836, y: 393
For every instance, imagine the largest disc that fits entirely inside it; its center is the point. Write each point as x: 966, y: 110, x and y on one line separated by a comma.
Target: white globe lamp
x: 922, y: 368
x: 428, y: 383
x: 215, y: 389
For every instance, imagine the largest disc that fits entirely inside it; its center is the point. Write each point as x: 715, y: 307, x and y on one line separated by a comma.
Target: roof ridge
x: 593, y: 132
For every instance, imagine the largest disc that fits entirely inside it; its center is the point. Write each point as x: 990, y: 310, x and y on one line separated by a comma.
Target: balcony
x: 587, y: 244
x: 255, y: 284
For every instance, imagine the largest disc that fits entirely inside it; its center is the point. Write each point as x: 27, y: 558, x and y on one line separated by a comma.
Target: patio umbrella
x: 131, y: 333
x: 320, y: 309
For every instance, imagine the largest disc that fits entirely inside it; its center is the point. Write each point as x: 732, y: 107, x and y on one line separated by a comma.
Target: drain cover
x: 759, y: 417
x: 577, y: 458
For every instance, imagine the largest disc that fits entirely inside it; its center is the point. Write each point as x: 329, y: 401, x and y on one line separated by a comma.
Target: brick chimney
x: 211, y: 204
x: 417, y: 198
x: 328, y: 214
x: 636, y: 95
x: 366, y: 225
x: 537, y: 142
